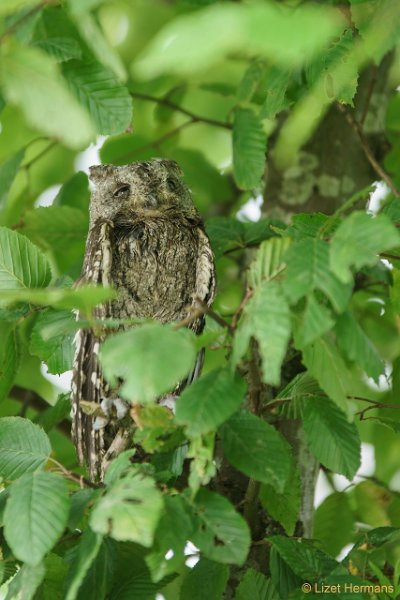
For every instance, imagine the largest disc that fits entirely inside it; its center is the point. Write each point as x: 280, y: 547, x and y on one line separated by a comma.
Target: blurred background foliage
x: 285, y: 117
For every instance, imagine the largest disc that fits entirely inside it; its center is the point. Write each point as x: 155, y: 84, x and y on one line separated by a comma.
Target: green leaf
x: 26, y: 73
x: 9, y: 357
x: 52, y: 416
x: 257, y: 449
x: 60, y: 48
x: 266, y: 318
x: 286, y: 38
x: 206, y: 581
x: 98, y: 579
x: 54, y: 227
x: 94, y: 38
x: 53, y: 583
x: 332, y: 439
x: 337, y: 68
x: 26, y: 582
x: 326, y: 365
x: 277, y: 83
x: 308, y: 270
x: 129, y: 510
x: 57, y: 351
x: 8, y: 172
x: 132, y: 578
x: 169, y: 537
x: 228, y: 234
x: 358, y: 241
x: 24, y: 447
x: 221, y: 533
x: 22, y: 265
x: 305, y: 561
x: 36, y: 515
x: 9, y: 6
x: 268, y: 262
x: 357, y: 346
x: 333, y: 510
x: 283, y: 506
x: 378, y: 24
x: 88, y: 549
x: 255, y: 586
x: 249, y: 148
x: 314, y: 322
x: 151, y: 360
x: 84, y: 297
x: 389, y: 423
x: 74, y: 193
x: 98, y: 89
x: 209, y: 401
x: 250, y: 80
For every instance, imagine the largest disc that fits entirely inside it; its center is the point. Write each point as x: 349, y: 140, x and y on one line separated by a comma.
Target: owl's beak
x: 152, y: 201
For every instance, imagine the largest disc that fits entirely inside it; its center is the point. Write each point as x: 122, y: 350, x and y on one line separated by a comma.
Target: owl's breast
x: 154, y: 269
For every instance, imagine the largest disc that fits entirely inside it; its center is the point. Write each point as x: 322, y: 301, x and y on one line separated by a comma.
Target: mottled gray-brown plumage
x: 146, y: 239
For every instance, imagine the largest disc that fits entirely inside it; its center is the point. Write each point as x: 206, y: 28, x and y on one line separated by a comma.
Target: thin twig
x: 39, y: 155
x: 73, y: 476
x: 238, y: 313
x: 157, y: 142
x: 369, y: 94
x: 391, y: 256
x: 195, y: 118
x: 355, y: 125
x: 203, y: 309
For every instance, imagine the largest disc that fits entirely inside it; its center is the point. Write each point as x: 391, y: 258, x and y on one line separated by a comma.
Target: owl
x: 147, y: 241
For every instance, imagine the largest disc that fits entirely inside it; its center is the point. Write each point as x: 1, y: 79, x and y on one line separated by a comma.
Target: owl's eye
x: 122, y: 191
x: 172, y: 184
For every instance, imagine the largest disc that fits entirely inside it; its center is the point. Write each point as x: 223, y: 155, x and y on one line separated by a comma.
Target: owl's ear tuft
x: 173, y: 167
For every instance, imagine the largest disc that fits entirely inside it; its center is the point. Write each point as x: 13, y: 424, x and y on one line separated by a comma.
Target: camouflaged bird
x: 147, y: 241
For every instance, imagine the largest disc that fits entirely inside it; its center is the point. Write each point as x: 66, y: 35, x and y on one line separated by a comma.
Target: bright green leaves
x: 332, y: 439
x: 358, y: 241
x: 220, y: 532
x: 357, y: 347
x: 36, y: 515
x: 52, y: 227
x: 8, y: 171
x: 249, y: 148
x: 266, y: 317
x: 256, y: 586
x: 151, y: 359
x: 257, y: 449
x: 22, y: 265
x: 308, y: 270
x: 25, y: 73
x: 209, y: 401
x: 24, y: 447
x: 129, y: 510
x: 55, y: 349
x: 98, y: 89
x: 207, y: 579
x: 286, y: 38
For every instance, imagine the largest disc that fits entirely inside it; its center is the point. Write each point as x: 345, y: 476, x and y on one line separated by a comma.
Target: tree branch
x: 357, y: 127
x: 194, y: 117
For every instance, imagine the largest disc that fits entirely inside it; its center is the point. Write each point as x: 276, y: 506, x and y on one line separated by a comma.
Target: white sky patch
x: 47, y: 197
x: 377, y: 196
x: 251, y: 210
x: 367, y: 468
x: 61, y: 382
x: 90, y: 156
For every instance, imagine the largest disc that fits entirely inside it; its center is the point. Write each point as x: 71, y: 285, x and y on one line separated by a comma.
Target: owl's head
x: 155, y: 185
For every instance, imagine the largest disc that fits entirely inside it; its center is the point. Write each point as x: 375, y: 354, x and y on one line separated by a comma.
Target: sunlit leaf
x: 31, y: 529
x: 22, y: 265
x: 24, y: 447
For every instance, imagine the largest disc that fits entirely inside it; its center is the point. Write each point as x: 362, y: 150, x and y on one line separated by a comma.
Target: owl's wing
x: 88, y: 385
x: 204, y: 291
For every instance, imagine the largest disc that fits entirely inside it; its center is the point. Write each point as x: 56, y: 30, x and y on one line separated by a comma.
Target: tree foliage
x: 304, y: 333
